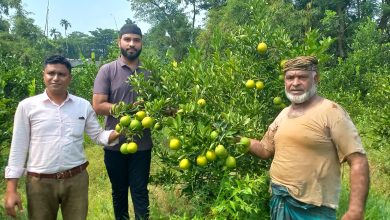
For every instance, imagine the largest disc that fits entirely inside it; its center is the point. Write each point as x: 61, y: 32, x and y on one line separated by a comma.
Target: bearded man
x: 130, y: 171
x: 308, y: 141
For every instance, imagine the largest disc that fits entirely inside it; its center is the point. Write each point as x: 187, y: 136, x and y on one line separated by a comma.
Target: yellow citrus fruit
x: 282, y: 63
x: 118, y: 128
x: 250, y: 84
x: 132, y: 147
x: 123, y: 149
x: 259, y: 85
x: 220, y: 151
x: 262, y: 48
x: 281, y: 77
x: 135, y: 124
x: 201, y: 161
x: 184, y: 164
x: 230, y: 162
x: 147, y: 122
x: 124, y: 121
x: 174, y: 144
x: 201, y: 102
x: 277, y: 100
x: 140, y: 115
x: 213, y: 135
x: 210, y: 155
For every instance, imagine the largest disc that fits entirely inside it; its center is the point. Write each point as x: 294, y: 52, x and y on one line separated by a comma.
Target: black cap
x: 130, y: 29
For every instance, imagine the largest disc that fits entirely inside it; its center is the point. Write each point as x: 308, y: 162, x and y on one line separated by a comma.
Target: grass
x: 166, y: 203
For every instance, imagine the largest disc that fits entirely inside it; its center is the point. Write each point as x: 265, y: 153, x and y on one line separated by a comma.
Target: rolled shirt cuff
x: 13, y: 172
x: 105, y: 137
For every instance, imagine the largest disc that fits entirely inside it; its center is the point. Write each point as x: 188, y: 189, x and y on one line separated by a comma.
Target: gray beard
x: 298, y: 99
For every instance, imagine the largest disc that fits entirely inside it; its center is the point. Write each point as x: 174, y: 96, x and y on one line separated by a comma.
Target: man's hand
x: 11, y: 200
x: 138, y: 102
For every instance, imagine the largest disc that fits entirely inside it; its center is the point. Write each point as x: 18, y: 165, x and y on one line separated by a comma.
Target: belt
x: 63, y: 174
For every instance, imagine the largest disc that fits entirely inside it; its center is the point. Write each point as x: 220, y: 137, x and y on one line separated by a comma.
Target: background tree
x: 55, y: 34
x: 101, y: 40
x: 171, y: 28
x: 129, y: 21
x: 66, y: 25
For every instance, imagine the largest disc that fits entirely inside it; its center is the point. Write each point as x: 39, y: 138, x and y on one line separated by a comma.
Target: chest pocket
x: 75, y: 126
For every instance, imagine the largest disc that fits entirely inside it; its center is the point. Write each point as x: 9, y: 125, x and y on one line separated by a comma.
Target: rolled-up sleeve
x: 94, y: 130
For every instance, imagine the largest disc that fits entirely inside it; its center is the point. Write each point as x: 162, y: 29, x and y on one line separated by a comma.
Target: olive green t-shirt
x: 309, y: 149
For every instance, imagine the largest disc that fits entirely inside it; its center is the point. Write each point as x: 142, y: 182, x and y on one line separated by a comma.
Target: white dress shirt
x: 51, y: 136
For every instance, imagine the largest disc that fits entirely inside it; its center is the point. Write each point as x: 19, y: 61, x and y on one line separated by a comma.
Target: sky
x: 83, y: 15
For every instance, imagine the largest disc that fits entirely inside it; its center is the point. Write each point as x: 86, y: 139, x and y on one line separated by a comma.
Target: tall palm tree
x: 66, y: 25
x: 54, y: 33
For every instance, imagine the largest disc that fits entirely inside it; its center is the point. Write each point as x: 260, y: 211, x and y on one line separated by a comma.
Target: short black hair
x: 130, y: 29
x: 58, y: 59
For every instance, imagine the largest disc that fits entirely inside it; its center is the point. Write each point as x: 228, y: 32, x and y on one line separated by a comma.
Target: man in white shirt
x: 47, y: 142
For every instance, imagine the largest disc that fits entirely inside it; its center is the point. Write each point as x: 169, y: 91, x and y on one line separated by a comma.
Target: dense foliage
x: 214, y: 64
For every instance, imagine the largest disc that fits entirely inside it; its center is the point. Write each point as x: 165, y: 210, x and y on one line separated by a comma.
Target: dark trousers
x: 124, y: 171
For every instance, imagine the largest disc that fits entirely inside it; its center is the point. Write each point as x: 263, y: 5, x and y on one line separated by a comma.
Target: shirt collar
x: 45, y: 97
x: 122, y: 63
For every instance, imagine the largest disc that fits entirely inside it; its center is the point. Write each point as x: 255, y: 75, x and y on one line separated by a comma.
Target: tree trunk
x: 359, y: 10
x: 385, y: 15
x: 341, y: 31
x: 193, y: 21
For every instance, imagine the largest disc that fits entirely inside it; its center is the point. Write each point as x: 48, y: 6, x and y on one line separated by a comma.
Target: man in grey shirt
x: 111, y: 86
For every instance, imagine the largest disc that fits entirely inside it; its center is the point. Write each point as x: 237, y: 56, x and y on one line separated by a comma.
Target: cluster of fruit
x: 251, y: 84
x: 211, y: 155
x: 133, y: 126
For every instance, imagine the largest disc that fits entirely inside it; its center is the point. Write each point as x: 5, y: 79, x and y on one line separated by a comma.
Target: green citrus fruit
x: 124, y: 121
x: 147, y: 122
x: 245, y: 141
x: 184, y: 164
x: 132, y: 147
x: 118, y: 128
x: 220, y: 151
x: 123, y: 149
x: 213, y: 135
x: 230, y: 162
x: 210, y: 155
x: 277, y: 100
x: 135, y: 125
x: 201, y: 161
x: 245, y: 144
x: 140, y: 115
x: 250, y: 84
x: 174, y: 144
